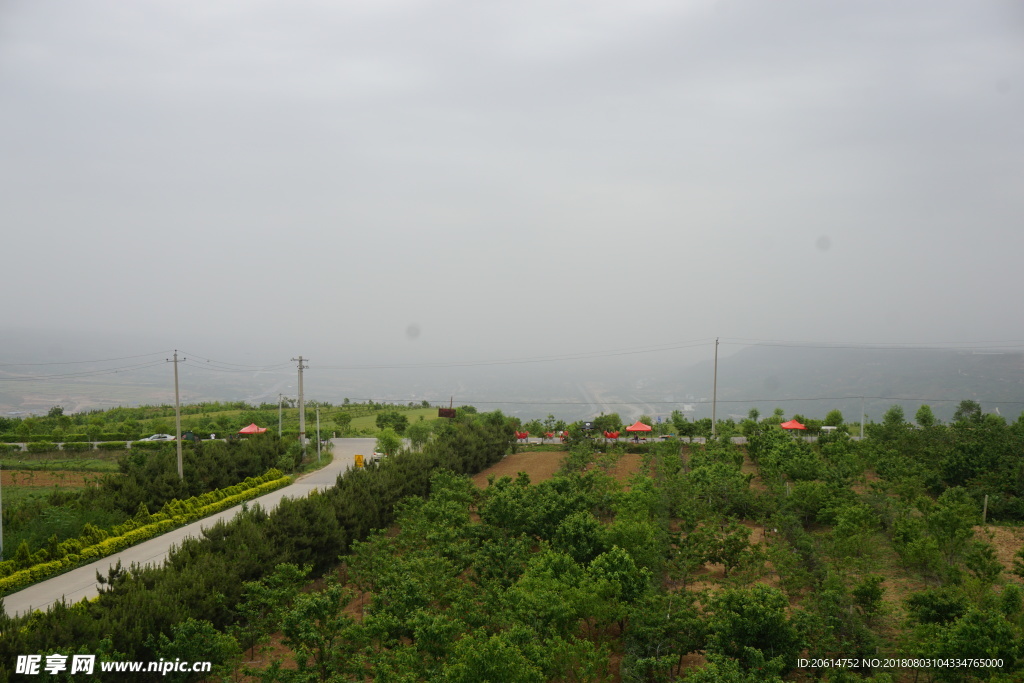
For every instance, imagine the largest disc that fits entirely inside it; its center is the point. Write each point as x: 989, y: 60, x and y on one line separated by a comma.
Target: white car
x: 159, y: 437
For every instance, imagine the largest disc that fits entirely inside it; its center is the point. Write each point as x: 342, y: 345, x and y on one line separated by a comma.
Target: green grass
x: 15, y: 495
x: 72, y: 465
x: 369, y: 422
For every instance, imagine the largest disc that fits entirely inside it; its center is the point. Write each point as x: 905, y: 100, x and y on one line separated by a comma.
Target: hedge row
x: 68, y: 438
x: 154, y: 445
x: 141, y: 528
x: 69, y: 446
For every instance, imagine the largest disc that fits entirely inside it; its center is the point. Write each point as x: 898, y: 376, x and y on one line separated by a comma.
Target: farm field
x: 21, y: 485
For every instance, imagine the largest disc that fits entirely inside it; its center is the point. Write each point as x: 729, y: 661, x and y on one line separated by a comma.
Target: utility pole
x: 177, y: 413
x: 714, y: 396
x: 318, y: 434
x: 861, y: 418
x: 1, y: 515
x: 280, y: 397
x: 302, y: 406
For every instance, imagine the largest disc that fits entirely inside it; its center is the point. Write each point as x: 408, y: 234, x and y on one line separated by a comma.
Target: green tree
x: 321, y: 634
x: 482, y: 658
x: 195, y: 640
x: 894, y: 417
x: 388, y: 442
x: 834, y: 418
x: 343, y: 419
x: 951, y: 523
x: 608, y: 423
x: 419, y: 433
x: 968, y: 411
x: 751, y: 626
x: 394, y: 420
x: 925, y: 417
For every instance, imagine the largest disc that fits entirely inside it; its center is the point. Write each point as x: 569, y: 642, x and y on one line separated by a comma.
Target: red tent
x: 638, y: 427
x: 792, y: 424
x: 252, y: 429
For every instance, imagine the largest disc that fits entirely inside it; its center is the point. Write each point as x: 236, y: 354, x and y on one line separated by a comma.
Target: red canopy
x: 252, y: 429
x: 638, y: 427
x: 792, y: 424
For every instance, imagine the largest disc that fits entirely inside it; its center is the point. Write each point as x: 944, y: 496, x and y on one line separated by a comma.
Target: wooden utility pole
x: 177, y: 414
x: 714, y: 396
x: 302, y: 406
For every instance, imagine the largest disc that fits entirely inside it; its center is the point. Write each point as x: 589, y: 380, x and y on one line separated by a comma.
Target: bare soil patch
x: 627, y: 465
x: 748, y: 467
x: 540, y: 466
x: 1007, y: 540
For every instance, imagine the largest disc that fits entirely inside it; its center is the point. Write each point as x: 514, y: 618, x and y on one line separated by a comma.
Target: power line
x: 242, y: 367
x: 82, y: 362
x: 83, y: 374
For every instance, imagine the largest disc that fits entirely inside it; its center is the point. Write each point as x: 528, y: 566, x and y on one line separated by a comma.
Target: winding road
x: 81, y: 583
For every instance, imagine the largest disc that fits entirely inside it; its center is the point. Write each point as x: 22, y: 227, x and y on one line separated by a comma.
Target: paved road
x: 81, y: 583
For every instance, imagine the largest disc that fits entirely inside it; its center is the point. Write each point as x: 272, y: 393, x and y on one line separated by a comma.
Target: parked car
x: 159, y: 437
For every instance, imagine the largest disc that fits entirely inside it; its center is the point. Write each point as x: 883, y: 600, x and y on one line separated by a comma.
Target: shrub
x: 42, y: 447
x: 152, y: 445
x: 112, y: 446
x: 77, y: 446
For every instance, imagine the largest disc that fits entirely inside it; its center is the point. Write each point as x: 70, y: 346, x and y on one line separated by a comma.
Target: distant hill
x: 790, y: 377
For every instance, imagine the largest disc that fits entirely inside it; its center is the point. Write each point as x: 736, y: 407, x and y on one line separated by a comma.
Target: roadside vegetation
x: 772, y: 560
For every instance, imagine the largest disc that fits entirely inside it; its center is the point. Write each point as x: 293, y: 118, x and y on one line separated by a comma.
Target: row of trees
x: 146, y: 481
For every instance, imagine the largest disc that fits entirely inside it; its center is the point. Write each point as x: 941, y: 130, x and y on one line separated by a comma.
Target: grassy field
x: 106, y: 462
x: 414, y: 414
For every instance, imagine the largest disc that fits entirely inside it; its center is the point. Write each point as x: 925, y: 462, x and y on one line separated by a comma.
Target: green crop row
x: 95, y: 543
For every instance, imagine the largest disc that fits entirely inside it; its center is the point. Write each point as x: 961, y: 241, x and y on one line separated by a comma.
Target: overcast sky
x: 431, y: 181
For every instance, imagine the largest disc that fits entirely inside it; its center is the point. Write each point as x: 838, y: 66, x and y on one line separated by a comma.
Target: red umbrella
x: 792, y: 424
x: 252, y: 429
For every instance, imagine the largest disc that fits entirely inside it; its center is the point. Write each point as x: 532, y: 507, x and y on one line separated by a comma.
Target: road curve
x: 81, y: 582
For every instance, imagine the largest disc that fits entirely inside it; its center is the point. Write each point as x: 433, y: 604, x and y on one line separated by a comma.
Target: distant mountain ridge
x: 790, y: 377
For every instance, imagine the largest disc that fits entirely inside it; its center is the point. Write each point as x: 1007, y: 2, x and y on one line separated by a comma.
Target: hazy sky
x: 431, y: 181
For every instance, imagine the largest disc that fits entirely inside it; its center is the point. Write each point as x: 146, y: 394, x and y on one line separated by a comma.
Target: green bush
x: 10, y: 448
x: 112, y: 446
x: 76, y: 437
x: 152, y: 445
x: 76, y: 446
x: 42, y: 447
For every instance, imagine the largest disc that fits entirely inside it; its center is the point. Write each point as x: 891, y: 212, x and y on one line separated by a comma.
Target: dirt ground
x: 540, y: 466
x: 543, y: 465
x: 1007, y: 540
x: 58, y: 478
